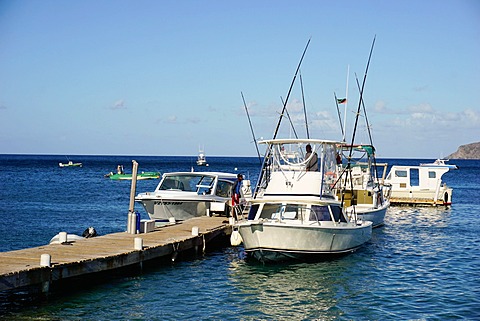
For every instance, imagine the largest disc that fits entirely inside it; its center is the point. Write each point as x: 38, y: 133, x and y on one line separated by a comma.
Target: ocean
x: 423, y: 264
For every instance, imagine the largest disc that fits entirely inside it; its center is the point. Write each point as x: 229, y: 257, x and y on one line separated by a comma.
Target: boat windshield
x: 202, y: 184
x: 284, y: 211
x: 325, y: 213
x: 299, y: 212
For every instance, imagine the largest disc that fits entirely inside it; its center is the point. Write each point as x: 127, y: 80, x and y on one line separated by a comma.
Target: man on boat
x: 120, y: 170
x: 312, y: 165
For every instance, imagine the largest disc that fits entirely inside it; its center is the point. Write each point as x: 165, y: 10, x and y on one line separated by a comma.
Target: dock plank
x: 22, y: 267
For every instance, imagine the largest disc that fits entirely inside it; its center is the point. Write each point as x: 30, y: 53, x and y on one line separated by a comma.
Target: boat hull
x: 141, y: 176
x: 70, y: 165
x: 367, y: 212
x: 422, y: 197
x: 181, y: 208
x: 279, y: 241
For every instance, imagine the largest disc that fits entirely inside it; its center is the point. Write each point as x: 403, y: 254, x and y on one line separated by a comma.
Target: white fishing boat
x: 201, y: 159
x: 419, y: 186
x: 294, y: 213
x: 440, y: 162
x: 360, y: 186
x: 184, y: 195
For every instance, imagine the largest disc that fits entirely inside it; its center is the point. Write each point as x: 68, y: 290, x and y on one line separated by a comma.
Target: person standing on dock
x: 236, y: 193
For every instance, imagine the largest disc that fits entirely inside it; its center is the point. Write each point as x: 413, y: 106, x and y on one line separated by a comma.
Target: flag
x: 341, y: 100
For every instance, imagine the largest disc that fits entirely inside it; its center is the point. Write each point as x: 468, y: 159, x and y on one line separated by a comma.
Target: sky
x: 117, y: 77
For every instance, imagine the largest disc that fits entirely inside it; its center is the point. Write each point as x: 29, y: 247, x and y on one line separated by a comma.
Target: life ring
x: 331, y: 174
x: 331, y: 177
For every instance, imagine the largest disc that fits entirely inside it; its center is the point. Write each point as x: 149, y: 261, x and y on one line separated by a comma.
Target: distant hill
x: 469, y: 151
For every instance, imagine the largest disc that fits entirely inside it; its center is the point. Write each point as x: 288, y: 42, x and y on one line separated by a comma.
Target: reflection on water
x: 409, y: 267
x: 297, y: 291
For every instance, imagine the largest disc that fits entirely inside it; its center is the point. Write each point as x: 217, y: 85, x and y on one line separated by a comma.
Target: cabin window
x: 270, y: 209
x: 432, y: 175
x: 293, y: 212
x: 223, y: 188
x: 172, y: 183
x: 400, y: 173
x: 253, y: 211
x: 203, y: 183
x: 320, y: 213
x: 337, y: 213
x: 189, y: 183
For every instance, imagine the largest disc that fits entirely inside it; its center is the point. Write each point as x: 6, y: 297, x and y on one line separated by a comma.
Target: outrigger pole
x: 361, y: 99
x: 251, y: 128
x: 339, y: 117
x: 368, y: 128
x: 365, y: 113
x: 304, y: 106
x: 345, y: 112
x: 346, y: 103
x: 267, y: 153
x: 290, y: 90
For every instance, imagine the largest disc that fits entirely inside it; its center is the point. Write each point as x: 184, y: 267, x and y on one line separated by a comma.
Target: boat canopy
x: 299, y: 141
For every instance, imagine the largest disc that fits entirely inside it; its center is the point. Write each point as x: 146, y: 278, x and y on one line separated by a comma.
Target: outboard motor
x: 89, y: 232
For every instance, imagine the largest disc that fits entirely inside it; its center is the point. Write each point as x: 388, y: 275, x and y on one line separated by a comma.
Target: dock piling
x: 62, y: 237
x: 195, y: 231
x: 45, y: 260
x: 132, y: 217
x: 138, y: 243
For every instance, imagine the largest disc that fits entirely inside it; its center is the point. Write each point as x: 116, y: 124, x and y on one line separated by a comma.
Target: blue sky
x: 165, y: 77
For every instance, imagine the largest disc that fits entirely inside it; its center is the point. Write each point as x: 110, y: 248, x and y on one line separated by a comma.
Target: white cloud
x: 421, y: 108
x: 471, y: 117
x: 380, y: 106
x: 119, y: 104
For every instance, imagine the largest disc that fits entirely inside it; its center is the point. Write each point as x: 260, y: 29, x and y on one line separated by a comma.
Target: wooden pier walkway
x: 103, y: 253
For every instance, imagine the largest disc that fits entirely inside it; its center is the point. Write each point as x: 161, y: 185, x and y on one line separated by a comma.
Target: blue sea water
x: 422, y: 265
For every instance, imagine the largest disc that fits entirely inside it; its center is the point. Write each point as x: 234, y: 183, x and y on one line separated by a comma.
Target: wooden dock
x: 108, y: 252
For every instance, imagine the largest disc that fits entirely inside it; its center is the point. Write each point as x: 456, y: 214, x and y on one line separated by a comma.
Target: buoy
x: 235, y: 238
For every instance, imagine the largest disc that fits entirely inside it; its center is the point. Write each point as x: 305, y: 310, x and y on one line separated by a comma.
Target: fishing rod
x: 251, y: 128
x: 290, y: 120
x: 368, y: 129
x: 304, y: 106
x: 348, y: 167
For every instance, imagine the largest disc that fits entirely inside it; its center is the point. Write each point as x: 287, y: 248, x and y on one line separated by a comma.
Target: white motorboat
x: 70, y: 164
x: 360, y: 187
x: 201, y: 159
x: 419, y: 185
x: 440, y: 162
x: 184, y: 195
x: 294, y: 213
